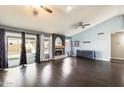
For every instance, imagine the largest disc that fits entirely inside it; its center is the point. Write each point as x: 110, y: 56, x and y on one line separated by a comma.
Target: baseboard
x: 59, y: 57
x: 102, y: 59
x: 115, y: 58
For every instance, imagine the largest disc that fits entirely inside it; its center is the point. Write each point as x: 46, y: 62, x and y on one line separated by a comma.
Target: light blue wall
x: 100, y: 43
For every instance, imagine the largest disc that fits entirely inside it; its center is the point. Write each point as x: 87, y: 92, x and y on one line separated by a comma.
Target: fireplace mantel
x: 59, y: 46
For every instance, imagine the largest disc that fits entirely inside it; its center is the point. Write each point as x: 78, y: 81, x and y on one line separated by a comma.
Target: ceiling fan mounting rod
x: 46, y: 9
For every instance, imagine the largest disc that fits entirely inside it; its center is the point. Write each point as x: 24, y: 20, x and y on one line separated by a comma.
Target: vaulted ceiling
x: 60, y: 21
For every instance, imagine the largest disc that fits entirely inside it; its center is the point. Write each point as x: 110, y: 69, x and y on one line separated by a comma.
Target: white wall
x: 117, y: 48
x: 99, y: 43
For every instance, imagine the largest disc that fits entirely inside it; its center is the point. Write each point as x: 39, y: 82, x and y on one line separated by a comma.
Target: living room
x: 61, y: 45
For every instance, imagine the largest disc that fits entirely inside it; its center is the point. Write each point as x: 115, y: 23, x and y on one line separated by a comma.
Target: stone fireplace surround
x: 58, y: 52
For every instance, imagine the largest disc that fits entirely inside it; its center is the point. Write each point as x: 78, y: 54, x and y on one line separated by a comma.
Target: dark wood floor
x: 69, y: 72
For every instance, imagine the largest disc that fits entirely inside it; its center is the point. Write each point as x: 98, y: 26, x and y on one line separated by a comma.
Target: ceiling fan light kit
x: 35, y: 12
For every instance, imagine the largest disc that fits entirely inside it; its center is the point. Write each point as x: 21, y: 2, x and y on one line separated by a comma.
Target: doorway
x: 117, y: 46
x: 13, y: 48
x: 30, y: 48
x: 68, y: 47
x: 46, y: 48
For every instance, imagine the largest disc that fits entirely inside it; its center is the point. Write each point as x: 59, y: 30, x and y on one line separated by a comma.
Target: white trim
x: 101, y: 59
x: 117, y: 58
x: 59, y: 57
x: 59, y: 50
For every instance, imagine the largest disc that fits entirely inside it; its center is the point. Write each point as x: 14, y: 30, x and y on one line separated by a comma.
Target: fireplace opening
x: 58, y: 52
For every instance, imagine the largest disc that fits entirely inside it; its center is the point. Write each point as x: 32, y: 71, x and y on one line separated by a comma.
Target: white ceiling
x: 60, y: 21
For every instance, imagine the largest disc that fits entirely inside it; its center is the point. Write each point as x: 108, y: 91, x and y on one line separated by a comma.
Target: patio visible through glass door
x: 13, y: 48
x: 47, y: 48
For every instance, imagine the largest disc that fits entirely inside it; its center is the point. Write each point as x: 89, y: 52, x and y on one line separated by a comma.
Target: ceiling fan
x: 80, y: 24
x: 36, y: 9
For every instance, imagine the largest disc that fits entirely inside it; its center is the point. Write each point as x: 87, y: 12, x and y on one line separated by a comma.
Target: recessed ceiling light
x: 69, y: 8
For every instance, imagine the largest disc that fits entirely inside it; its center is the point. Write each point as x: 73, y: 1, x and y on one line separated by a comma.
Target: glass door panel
x: 13, y: 48
x: 30, y: 48
x: 47, y: 48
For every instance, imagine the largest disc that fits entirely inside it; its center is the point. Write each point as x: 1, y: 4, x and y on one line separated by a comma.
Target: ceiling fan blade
x: 46, y: 9
x: 85, y: 24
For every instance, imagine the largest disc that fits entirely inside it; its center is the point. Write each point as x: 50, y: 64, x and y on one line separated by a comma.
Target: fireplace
x: 58, y: 45
x: 58, y: 52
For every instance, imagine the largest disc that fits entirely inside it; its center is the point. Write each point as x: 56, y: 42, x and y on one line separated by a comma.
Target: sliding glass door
x: 30, y: 48
x: 13, y: 48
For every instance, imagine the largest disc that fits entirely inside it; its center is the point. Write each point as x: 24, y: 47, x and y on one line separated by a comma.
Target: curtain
x: 23, y: 59
x: 3, y: 58
x: 37, y: 56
